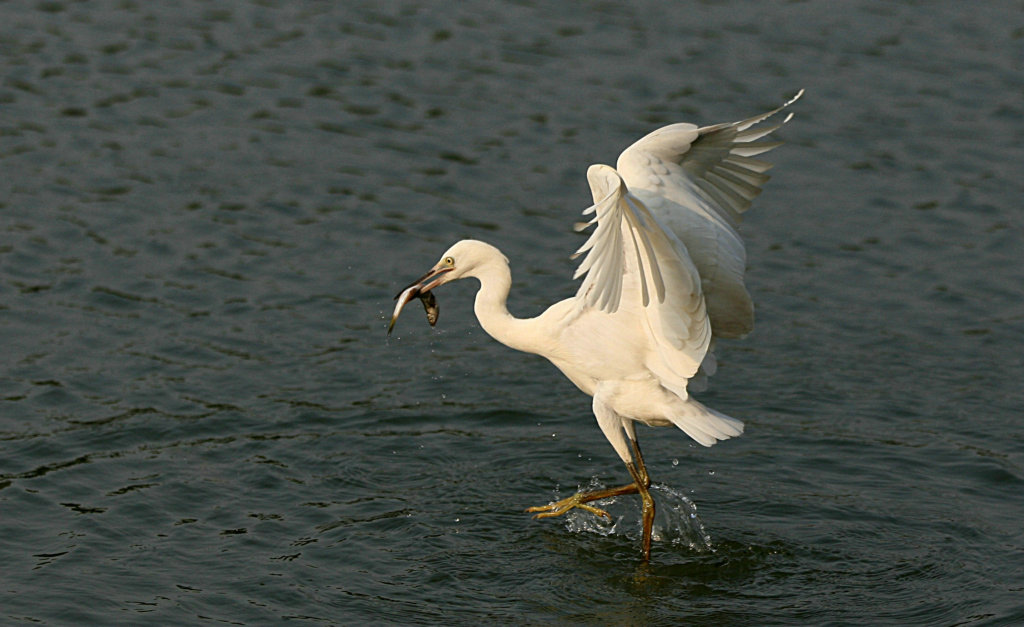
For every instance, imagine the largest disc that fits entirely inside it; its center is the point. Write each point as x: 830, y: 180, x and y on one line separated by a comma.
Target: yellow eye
x: 449, y: 261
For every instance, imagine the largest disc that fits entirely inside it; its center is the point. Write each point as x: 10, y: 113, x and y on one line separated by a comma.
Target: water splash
x: 675, y: 518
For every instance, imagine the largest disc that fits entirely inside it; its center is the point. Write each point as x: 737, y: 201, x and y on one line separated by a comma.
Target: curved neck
x: 492, y: 312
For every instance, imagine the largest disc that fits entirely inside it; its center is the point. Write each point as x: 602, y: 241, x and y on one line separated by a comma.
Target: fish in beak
x: 420, y: 288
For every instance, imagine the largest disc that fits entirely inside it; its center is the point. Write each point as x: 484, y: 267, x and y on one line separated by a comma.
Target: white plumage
x: 662, y: 277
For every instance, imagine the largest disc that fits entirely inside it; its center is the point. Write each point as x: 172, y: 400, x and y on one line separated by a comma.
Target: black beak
x: 420, y: 288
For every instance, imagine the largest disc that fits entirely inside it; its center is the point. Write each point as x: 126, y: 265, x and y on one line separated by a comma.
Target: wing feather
x: 698, y: 182
x: 701, y: 153
x: 744, y: 162
x: 754, y: 149
x: 630, y: 254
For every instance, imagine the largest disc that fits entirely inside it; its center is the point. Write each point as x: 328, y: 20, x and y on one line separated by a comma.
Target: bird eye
x: 449, y: 261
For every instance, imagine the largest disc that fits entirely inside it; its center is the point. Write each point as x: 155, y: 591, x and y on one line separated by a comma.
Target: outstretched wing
x: 630, y: 255
x: 717, y: 160
x: 698, y: 182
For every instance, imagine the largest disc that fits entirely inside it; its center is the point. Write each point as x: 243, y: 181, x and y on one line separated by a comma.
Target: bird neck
x: 492, y: 311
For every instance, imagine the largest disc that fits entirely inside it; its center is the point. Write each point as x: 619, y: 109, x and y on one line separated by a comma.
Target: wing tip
x: 743, y: 125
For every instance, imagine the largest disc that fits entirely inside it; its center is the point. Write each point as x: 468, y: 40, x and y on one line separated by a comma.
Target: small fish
x: 405, y: 296
x: 430, y: 306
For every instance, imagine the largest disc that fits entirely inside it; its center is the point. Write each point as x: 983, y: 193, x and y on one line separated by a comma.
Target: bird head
x: 461, y: 260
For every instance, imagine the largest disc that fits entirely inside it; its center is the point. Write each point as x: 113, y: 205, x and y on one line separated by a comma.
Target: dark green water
x: 205, y: 209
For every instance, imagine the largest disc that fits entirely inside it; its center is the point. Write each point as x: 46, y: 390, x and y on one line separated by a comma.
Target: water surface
x: 206, y: 208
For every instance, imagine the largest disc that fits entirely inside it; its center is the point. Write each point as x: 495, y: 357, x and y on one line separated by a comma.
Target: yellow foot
x: 559, y: 508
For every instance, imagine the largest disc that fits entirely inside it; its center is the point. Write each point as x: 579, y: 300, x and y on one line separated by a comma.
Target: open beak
x: 437, y: 274
x: 420, y: 288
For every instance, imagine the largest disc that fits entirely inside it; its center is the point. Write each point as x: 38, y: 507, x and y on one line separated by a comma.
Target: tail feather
x: 704, y: 424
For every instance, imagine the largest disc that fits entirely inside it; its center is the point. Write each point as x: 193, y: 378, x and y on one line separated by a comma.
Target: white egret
x: 663, y: 277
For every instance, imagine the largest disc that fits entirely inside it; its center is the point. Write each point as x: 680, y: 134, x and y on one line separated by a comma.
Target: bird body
x: 662, y: 278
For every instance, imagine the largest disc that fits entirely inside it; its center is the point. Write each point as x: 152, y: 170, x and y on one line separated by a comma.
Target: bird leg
x: 641, y: 483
